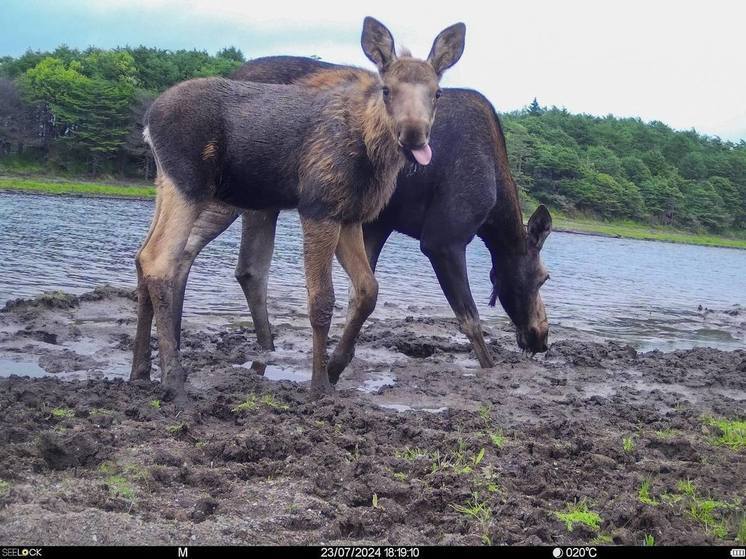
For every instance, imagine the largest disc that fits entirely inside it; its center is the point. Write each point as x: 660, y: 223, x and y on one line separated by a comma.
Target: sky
x: 682, y: 63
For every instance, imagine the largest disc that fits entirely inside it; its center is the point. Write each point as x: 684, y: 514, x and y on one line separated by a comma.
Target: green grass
x: 177, y: 428
x: 62, y: 413
x: 155, y: 404
x: 119, y: 486
x: 40, y: 186
x: 411, y: 454
x: 497, y: 438
x: 633, y: 230
x: 649, y: 541
x: 644, y: 494
x: 703, y: 511
x: 628, y: 444
x: 4, y: 488
x: 252, y: 401
x: 686, y: 487
x: 578, y: 513
x: 732, y: 433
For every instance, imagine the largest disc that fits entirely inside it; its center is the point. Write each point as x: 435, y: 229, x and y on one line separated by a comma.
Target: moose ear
x: 539, y: 227
x: 447, y: 48
x: 377, y: 43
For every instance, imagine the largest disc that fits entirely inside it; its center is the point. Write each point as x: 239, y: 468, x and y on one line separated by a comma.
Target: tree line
x: 624, y: 168
x: 79, y: 112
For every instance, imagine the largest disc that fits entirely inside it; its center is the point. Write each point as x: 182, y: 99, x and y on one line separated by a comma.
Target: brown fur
x: 364, y: 114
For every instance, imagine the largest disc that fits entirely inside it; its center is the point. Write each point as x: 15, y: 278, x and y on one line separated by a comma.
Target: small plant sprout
x: 644, y: 494
x: 62, y: 413
x: 375, y: 500
x: 578, y: 513
x: 155, y: 404
x: 497, y: 438
x: 628, y: 444
x: 648, y: 541
x: 686, y: 487
x: 4, y: 488
x: 480, y: 512
x: 177, y: 428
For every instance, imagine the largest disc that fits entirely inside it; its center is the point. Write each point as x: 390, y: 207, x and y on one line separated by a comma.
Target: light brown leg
x: 363, y: 295
x: 319, y: 241
x: 158, y: 259
x: 141, y: 350
x: 252, y: 270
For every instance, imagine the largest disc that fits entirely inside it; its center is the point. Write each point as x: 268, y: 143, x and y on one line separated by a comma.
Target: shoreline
x: 562, y: 223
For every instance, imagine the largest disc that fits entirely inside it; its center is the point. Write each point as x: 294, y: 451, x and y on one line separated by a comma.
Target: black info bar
x: 365, y: 552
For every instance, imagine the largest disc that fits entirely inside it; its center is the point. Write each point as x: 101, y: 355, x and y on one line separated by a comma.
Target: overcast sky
x: 683, y: 63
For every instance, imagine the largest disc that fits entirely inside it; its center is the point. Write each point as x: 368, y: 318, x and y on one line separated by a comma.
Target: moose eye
x: 386, y: 91
x: 438, y: 93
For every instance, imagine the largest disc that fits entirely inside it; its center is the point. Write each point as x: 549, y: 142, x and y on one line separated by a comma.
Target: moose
x: 466, y: 191
x: 332, y: 150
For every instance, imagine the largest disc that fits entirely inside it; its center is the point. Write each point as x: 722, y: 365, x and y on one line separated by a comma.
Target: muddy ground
x: 416, y: 446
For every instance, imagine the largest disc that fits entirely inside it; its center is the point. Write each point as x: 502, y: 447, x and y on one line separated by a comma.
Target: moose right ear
x: 377, y: 43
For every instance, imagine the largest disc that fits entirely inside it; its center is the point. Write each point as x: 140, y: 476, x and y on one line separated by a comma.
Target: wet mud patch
x: 410, y: 449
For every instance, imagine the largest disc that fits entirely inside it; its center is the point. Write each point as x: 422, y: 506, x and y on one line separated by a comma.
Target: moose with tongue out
x: 333, y: 151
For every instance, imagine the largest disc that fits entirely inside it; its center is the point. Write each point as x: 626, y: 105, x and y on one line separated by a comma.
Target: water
x: 640, y: 292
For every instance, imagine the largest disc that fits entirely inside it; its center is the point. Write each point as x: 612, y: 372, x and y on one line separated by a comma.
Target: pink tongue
x: 423, y: 154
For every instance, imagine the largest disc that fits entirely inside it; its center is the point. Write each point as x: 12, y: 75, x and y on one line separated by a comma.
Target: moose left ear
x: 447, y: 48
x: 539, y: 227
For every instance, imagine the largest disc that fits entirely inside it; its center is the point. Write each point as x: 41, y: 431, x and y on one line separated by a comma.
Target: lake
x: 644, y: 293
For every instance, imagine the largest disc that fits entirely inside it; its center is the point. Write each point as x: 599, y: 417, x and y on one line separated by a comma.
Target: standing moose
x: 332, y: 152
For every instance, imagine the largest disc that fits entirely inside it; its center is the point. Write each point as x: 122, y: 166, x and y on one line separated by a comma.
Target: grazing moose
x: 332, y: 151
x: 467, y: 191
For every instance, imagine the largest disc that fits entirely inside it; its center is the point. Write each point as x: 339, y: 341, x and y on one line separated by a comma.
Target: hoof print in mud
x: 61, y: 452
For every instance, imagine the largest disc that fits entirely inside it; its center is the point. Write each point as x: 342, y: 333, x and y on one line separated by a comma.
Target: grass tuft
x: 732, y: 433
x: 644, y: 494
x: 253, y: 401
x: 62, y: 413
x: 578, y: 513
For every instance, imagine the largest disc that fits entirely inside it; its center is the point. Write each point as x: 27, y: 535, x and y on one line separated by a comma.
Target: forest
x: 77, y: 113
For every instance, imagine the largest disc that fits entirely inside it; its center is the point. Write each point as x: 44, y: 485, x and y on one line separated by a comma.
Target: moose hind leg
x: 319, y: 241
x: 363, y: 295
x: 212, y: 221
x: 159, y: 260
x: 252, y: 270
x: 141, y: 347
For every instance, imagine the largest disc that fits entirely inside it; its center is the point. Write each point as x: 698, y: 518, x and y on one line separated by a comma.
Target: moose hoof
x: 173, y: 387
x: 140, y: 372
x: 336, y: 365
x: 321, y: 389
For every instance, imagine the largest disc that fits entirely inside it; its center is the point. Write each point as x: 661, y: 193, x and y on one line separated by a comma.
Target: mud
x: 417, y: 445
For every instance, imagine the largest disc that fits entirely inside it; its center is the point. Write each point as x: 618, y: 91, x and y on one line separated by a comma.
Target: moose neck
x: 376, y: 128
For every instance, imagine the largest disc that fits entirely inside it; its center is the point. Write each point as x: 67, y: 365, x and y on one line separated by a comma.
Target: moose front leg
x: 449, y: 263
x: 363, y: 295
x: 319, y: 242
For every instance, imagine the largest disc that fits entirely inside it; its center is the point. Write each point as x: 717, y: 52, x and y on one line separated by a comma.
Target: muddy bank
x: 418, y: 445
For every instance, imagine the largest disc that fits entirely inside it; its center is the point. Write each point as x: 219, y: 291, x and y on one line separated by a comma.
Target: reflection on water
x: 640, y: 292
